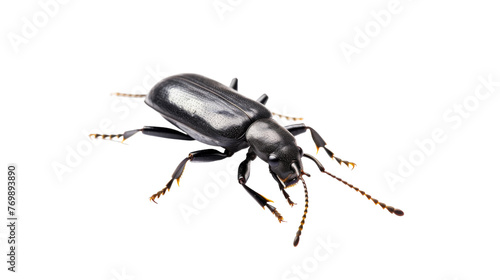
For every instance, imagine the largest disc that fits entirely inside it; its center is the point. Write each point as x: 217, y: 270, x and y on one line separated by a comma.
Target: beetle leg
x: 234, y: 84
x: 282, y: 188
x: 287, y: 117
x: 148, y: 130
x: 129, y: 95
x: 244, y: 174
x: 263, y: 99
x: 207, y: 155
x: 297, y: 129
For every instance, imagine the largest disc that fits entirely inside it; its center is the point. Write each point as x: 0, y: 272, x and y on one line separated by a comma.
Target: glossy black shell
x: 206, y: 110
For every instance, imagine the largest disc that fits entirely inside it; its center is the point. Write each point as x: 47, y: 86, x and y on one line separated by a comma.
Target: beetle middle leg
x: 297, y: 129
x: 244, y: 174
x: 207, y: 155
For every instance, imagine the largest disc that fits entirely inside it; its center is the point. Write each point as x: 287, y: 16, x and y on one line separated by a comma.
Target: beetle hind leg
x: 148, y: 130
x: 286, y: 117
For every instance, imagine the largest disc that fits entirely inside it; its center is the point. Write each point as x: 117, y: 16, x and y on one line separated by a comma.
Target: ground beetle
x: 217, y: 115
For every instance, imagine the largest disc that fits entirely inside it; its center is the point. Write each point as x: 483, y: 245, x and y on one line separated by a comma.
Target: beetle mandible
x: 217, y: 115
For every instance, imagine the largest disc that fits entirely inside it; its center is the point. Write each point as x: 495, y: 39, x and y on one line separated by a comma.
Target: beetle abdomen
x: 206, y: 110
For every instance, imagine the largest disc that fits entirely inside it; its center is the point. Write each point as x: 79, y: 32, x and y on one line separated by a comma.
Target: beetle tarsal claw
x: 157, y: 195
x: 162, y: 192
x: 152, y: 198
x: 347, y: 163
x: 291, y: 202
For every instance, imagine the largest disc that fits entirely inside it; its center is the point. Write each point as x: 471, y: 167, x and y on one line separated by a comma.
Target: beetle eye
x: 272, y: 159
x: 301, y: 152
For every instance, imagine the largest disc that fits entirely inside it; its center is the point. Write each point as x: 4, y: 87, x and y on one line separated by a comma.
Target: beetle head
x: 275, y: 145
x: 286, y: 163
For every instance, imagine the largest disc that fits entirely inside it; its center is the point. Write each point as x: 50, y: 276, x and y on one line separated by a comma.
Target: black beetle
x: 217, y: 115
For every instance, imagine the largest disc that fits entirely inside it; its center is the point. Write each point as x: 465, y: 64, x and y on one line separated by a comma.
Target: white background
x: 94, y: 219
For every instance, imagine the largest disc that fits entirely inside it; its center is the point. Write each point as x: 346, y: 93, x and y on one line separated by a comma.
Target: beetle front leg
x: 282, y: 188
x: 207, y: 155
x: 297, y: 129
x: 244, y: 174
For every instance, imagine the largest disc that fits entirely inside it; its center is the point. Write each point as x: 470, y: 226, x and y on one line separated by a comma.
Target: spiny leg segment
x: 320, y: 143
x: 391, y: 209
x: 106, y: 136
x: 175, y: 176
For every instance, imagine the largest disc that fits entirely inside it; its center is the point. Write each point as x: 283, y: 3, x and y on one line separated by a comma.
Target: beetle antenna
x: 128, y: 94
x: 287, y: 117
x: 391, y: 209
x: 299, y: 232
